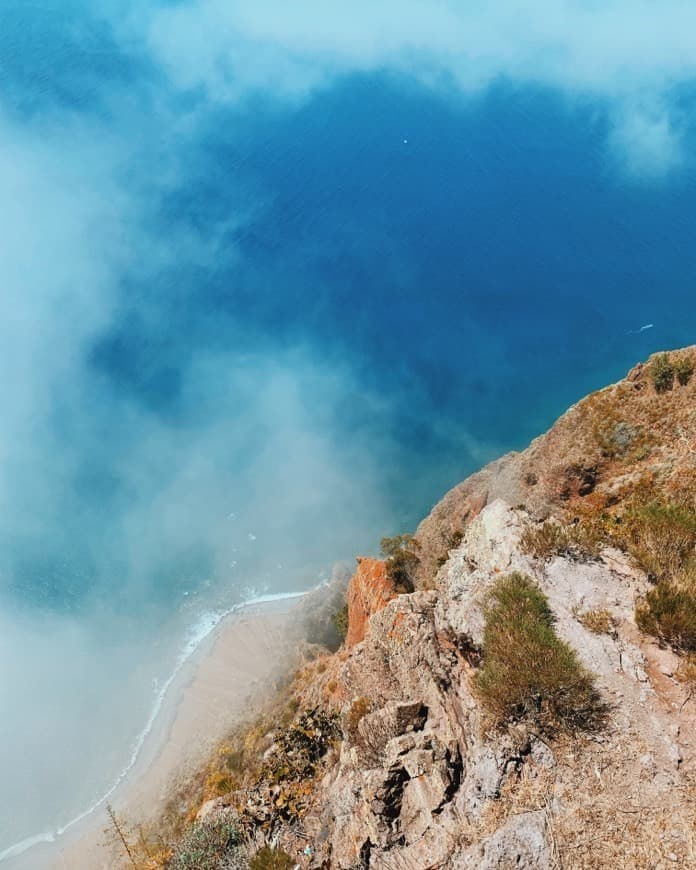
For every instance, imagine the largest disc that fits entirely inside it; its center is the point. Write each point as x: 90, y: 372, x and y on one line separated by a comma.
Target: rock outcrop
x: 369, y: 591
x: 422, y: 778
x: 423, y: 782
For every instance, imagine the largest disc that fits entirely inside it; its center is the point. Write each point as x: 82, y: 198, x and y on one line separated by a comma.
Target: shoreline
x: 203, y: 698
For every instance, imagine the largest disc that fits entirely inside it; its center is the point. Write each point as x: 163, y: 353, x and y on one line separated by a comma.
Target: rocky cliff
x: 398, y: 761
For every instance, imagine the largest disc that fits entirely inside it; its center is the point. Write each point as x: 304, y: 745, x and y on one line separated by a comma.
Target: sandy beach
x: 226, y: 677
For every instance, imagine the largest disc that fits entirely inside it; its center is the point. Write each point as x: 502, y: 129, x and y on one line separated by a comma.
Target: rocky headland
x: 510, y: 687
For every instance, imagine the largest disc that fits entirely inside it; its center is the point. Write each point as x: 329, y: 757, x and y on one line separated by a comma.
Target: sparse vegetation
x: 597, y: 621
x: 684, y: 369
x: 359, y: 708
x: 668, y: 612
x: 282, y: 785
x: 139, y: 848
x: 121, y: 835
x: 662, y: 373
x: 660, y: 536
x: 529, y: 674
x: 686, y: 672
x: 206, y: 843
x: 340, y: 621
x: 400, y: 553
x: 269, y: 858
x: 553, y: 538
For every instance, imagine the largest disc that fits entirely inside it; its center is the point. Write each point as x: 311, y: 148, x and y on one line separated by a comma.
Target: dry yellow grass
x: 598, y: 621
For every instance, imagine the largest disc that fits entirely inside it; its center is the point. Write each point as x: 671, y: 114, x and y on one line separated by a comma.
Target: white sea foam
x: 200, y: 631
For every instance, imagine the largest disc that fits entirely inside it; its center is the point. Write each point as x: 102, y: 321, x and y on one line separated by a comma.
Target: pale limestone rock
x: 418, y: 775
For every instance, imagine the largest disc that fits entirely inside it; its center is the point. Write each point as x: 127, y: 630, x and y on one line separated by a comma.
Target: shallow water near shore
x: 169, y: 692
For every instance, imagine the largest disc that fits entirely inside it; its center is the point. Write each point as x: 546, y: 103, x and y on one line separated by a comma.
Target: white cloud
x: 648, y: 139
x: 616, y: 50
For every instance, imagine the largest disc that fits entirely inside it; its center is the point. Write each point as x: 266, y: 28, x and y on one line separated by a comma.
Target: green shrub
x: 684, y: 369
x: 528, y: 673
x: 340, y: 621
x: 668, y: 612
x: 205, y: 844
x: 271, y: 859
x: 402, y: 561
x: 662, y: 373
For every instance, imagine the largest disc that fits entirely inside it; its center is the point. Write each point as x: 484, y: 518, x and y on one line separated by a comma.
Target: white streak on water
x: 205, y: 625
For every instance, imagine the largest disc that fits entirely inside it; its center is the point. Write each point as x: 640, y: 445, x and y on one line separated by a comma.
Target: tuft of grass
x: 268, y: 858
x: 662, y: 373
x: 684, y: 369
x: 400, y: 554
x: 597, y: 621
x: 551, y: 538
x: 668, y: 612
x: 529, y: 674
x: 661, y: 537
x: 686, y: 672
x: 358, y: 709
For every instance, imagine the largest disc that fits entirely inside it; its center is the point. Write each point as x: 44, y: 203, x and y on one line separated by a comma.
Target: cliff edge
x: 530, y: 703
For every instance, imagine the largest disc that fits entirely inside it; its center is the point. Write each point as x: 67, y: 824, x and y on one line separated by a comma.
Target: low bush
x: 684, y: 369
x: 528, y: 673
x: 668, y: 612
x: 662, y: 373
x: 271, y: 859
x: 660, y: 537
x: 402, y: 561
x: 206, y: 844
x: 340, y: 621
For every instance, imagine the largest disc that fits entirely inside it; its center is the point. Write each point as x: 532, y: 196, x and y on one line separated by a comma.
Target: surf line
x: 205, y: 626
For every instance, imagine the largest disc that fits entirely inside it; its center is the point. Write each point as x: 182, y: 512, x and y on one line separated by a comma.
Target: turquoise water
x: 246, y: 333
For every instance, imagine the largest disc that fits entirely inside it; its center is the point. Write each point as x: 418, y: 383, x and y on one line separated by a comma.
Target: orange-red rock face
x: 368, y: 592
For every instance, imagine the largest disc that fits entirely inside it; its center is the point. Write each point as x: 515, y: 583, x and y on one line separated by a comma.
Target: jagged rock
x: 421, y: 779
x: 421, y: 782
x: 522, y: 843
x: 368, y: 592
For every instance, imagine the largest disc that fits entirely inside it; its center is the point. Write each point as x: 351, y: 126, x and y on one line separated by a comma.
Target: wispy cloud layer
x: 152, y: 439
x: 625, y: 54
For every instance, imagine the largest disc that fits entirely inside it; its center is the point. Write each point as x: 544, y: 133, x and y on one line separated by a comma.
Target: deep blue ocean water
x: 314, y: 317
